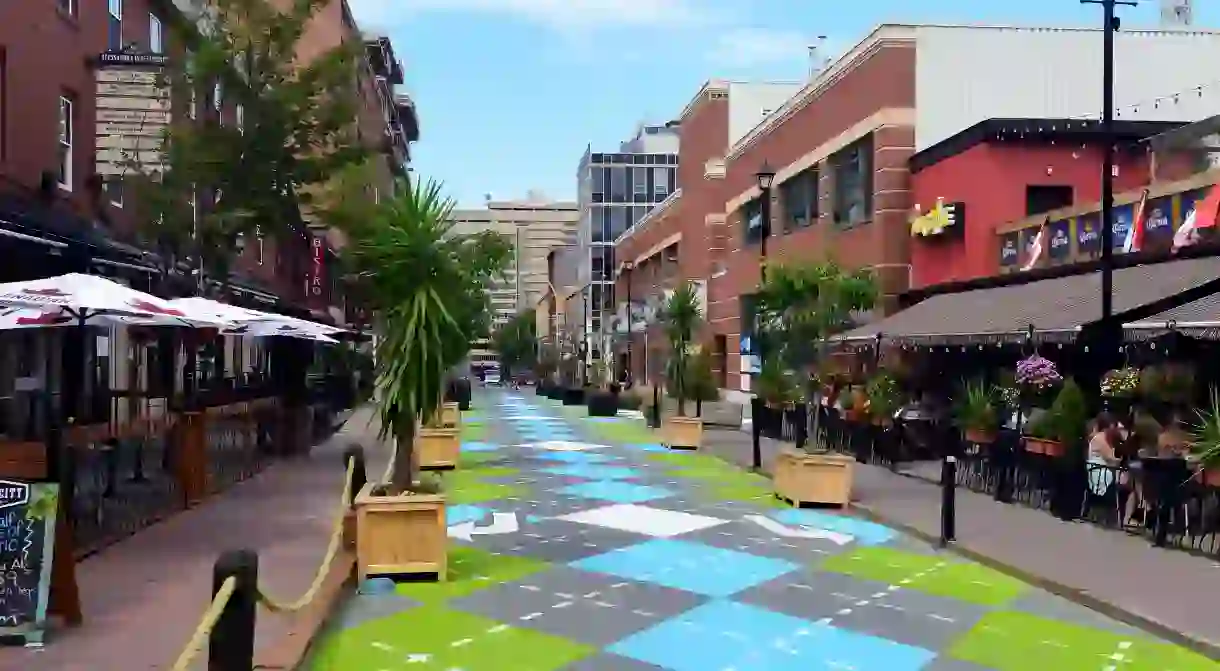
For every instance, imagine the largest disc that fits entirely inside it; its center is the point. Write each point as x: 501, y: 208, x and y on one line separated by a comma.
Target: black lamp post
x: 627, y: 268
x: 766, y: 178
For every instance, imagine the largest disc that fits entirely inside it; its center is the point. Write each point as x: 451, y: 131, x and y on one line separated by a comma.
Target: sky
x: 510, y: 92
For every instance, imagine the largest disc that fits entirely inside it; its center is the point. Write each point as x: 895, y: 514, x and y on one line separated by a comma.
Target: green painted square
x: 438, y: 639
x: 474, y: 431
x: 470, y: 570
x: 937, y: 575
x: 743, y: 493
x: 467, y: 460
x: 626, y: 431
x: 484, y: 471
x: 473, y: 490
x: 1011, y: 641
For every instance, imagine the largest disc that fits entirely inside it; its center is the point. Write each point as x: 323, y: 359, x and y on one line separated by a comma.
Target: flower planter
x: 574, y: 396
x: 451, y: 415
x: 1051, y: 448
x: 400, y: 535
x: 980, y: 436
x: 824, y: 479
x: 437, y: 449
x: 602, y: 404
x: 1210, y: 476
x: 682, y: 433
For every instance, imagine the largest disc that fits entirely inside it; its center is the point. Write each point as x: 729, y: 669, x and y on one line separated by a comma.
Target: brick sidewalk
x: 142, y: 598
x: 1165, y: 590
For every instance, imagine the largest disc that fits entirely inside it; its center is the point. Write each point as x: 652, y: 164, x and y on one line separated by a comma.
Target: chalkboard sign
x: 27, y: 538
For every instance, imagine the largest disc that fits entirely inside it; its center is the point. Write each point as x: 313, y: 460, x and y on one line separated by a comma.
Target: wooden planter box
x: 979, y: 436
x: 682, y: 433
x: 437, y: 449
x: 451, y: 415
x: 1210, y: 476
x: 400, y: 535
x: 824, y: 479
x: 1050, y: 448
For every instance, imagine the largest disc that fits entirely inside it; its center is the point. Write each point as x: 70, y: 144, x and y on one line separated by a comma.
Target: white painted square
x: 639, y: 519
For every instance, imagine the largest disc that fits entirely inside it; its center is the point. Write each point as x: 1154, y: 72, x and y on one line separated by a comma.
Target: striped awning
x: 1056, y: 308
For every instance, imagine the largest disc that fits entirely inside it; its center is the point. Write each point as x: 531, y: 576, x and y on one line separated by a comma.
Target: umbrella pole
x: 65, y: 593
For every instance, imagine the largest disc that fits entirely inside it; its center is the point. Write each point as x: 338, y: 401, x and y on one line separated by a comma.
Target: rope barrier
x: 210, y: 616
x: 221, y: 600
x: 332, y: 549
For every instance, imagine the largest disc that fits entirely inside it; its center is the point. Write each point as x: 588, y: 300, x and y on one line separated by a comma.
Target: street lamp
x: 766, y: 178
x: 627, y: 268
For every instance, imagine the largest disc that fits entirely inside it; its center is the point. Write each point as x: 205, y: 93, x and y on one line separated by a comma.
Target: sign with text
x: 1010, y: 250
x: 27, y: 538
x: 1088, y: 233
x: 317, y: 270
x: 1124, y: 215
x: 1059, y: 234
x: 1158, y: 225
x: 133, y: 113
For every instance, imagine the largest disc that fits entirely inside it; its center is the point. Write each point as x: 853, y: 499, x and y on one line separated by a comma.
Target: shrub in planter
x: 574, y: 396
x: 630, y: 400
x: 884, y: 398
x: 976, y: 413
x: 602, y: 403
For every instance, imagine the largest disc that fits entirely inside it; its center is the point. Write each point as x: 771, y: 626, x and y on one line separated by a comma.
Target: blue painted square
x: 593, y: 472
x: 464, y: 513
x: 647, y: 447
x: 736, y: 636
x: 617, y: 492
x: 576, y: 457
x: 605, y: 420
x: 689, y: 566
x: 479, y: 447
x: 866, y: 533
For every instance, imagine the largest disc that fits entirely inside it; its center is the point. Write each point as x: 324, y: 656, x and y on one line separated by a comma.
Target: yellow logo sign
x: 936, y: 221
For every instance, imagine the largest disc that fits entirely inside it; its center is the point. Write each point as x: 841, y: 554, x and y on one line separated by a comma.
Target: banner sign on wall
x: 1060, y: 235
x: 1159, y: 222
x: 317, y: 271
x: 1123, y: 216
x: 1010, y: 251
x: 1088, y: 233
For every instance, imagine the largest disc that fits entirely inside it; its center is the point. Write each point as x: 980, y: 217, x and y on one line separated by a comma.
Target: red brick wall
x: 882, y: 78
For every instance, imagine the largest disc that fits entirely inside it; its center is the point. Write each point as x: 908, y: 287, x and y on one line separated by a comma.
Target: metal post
x: 762, y: 271
x: 231, y: 644
x: 756, y: 416
x: 948, y: 500
x: 656, y: 406
x: 627, y: 270
x: 354, y: 452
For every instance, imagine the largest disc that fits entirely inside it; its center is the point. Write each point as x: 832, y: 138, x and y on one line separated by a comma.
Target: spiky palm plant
x: 681, y: 316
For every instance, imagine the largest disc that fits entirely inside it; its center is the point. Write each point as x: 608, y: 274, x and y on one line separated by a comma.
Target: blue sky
x: 510, y: 92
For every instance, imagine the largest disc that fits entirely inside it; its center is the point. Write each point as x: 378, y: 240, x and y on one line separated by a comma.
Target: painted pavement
x: 580, y: 544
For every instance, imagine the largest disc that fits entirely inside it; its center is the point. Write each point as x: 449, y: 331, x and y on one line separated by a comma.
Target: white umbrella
x: 83, y: 298
x: 256, y: 323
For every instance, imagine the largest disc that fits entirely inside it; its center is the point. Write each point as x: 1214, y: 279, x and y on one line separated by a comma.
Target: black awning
x: 1057, y: 309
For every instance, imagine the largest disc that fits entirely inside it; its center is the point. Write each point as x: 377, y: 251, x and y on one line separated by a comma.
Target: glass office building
x: 616, y: 190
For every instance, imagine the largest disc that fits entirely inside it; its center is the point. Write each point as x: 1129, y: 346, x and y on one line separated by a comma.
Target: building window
x: 217, y: 96
x: 1042, y: 198
x: 639, y: 181
x: 156, y: 38
x: 193, y: 109
x: 112, y: 185
x: 65, y: 143
x: 194, y: 203
x: 660, y: 181
x: 239, y: 117
x: 114, y: 32
x: 618, y: 184
x: 752, y: 220
x: 800, y: 199
x: 853, y: 183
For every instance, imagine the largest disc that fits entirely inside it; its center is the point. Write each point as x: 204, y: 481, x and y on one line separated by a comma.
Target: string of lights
x: 1197, y: 91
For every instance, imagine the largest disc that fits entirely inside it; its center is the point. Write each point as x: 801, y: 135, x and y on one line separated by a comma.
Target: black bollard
x: 756, y: 432
x: 948, y: 500
x: 802, y: 425
x: 231, y: 644
x: 656, y: 407
x: 360, y: 476
x: 1004, y: 460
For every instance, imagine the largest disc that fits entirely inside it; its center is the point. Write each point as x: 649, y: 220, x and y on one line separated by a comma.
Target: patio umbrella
x: 85, y: 298
x: 256, y: 323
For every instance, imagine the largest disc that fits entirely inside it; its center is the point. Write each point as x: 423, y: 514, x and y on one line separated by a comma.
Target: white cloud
x: 557, y: 14
x: 752, y: 47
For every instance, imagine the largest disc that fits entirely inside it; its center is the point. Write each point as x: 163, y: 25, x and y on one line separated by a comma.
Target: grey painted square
x: 905, y: 616
x: 608, y: 662
x: 363, y: 608
x: 540, y: 504
x: 585, y: 607
x: 949, y: 664
x: 1045, y: 604
x: 558, y: 541
x: 752, y: 539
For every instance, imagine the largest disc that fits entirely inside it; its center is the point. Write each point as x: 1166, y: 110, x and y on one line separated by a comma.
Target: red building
x: 1004, y: 170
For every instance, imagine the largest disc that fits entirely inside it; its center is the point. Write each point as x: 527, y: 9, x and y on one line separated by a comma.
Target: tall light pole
x: 766, y: 178
x: 627, y: 268
x: 1110, y: 24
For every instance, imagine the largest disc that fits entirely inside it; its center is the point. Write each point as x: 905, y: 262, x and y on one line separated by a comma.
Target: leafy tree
x: 517, y: 343
x: 297, y: 132
x: 680, y: 316
x: 426, y: 287
x: 800, y: 305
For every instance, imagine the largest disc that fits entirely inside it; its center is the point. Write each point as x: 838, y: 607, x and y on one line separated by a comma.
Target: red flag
x: 1135, y: 234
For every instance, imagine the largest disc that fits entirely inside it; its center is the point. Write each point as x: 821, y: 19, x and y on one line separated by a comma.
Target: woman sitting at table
x: 1108, y: 435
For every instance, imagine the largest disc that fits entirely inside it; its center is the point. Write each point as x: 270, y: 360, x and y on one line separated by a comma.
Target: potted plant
x: 1062, y: 427
x: 1205, y: 441
x: 429, y: 290
x: 602, y: 399
x: 1037, y: 377
x: 884, y: 398
x: 680, y: 316
x: 976, y: 413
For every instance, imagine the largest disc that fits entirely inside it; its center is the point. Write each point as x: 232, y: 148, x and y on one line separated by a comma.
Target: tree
x: 516, y: 342
x: 426, y: 287
x: 799, y: 306
x: 297, y: 132
x: 681, y: 316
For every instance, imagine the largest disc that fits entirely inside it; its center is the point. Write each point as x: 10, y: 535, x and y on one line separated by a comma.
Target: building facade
x: 534, y: 227
x: 616, y: 190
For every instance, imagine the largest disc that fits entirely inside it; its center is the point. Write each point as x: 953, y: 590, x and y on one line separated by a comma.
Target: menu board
x: 27, y: 537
